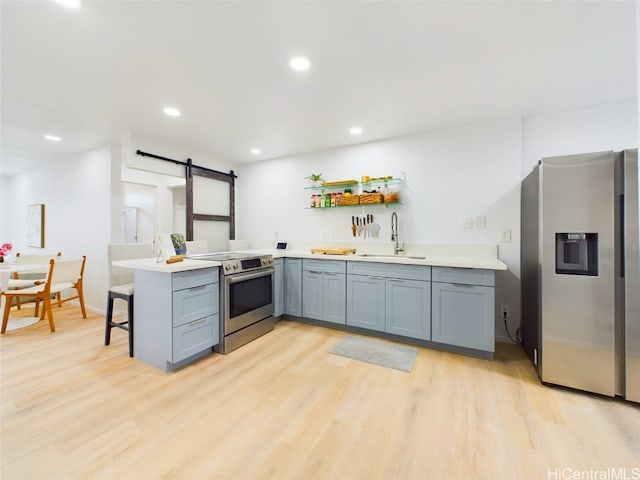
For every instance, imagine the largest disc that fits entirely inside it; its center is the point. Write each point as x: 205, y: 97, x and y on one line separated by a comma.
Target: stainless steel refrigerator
x: 580, y: 270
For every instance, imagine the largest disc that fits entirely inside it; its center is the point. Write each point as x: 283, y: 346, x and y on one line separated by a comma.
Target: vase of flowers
x: 5, y: 248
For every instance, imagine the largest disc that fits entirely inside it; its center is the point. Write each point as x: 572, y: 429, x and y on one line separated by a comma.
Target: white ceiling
x: 94, y: 74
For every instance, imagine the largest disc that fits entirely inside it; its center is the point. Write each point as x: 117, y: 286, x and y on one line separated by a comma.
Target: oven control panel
x: 238, y: 265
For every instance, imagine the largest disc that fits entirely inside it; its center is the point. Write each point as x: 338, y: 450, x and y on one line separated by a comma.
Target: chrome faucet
x: 394, y: 234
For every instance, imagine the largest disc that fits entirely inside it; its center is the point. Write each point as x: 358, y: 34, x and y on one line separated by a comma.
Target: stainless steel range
x: 246, y: 297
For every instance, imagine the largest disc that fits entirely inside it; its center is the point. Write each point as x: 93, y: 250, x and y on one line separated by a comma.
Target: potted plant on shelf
x: 315, y: 179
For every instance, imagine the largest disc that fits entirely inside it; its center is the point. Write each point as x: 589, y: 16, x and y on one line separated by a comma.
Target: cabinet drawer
x: 329, y: 266
x: 194, y: 278
x: 465, y: 276
x: 195, y: 337
x: 195, y: 303
x: 390, y: 270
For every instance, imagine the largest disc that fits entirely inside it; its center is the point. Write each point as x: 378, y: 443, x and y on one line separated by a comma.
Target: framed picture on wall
x: 35, y: 226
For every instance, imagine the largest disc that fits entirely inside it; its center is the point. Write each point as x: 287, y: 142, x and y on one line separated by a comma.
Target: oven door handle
x: 248, y: 276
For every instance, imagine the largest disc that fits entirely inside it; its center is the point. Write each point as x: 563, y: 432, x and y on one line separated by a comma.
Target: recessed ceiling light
x: 53, y: 138
x: 256, y: 151
x: 172, y: 112
x: 355, y: 131
x: 299, y: 64
x: 68, y: 3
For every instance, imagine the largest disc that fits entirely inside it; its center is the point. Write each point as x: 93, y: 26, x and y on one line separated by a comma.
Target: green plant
x: 315, y: 177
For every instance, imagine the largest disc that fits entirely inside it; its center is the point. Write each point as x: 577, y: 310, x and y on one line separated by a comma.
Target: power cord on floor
x: 516, y: 340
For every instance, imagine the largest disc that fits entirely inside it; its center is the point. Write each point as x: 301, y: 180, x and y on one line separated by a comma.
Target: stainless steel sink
x: 373, y: 255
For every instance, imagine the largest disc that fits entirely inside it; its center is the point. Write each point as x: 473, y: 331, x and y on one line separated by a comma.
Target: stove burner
x: 234, y: 262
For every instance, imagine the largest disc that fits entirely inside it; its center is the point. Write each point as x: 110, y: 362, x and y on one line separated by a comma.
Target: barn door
x: 210, y: 207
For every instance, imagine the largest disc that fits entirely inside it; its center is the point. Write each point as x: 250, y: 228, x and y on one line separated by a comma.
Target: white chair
x: 195, y: 247
x: 121, y: 285
x: 61, y: 276
x: 30, y: 279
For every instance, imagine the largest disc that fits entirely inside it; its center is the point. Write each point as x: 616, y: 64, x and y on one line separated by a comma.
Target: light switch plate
x: 505, y: 236
x: 468, y: 223
x: 481, y: 221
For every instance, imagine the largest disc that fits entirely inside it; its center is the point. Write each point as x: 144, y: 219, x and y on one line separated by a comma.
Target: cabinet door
x: 293, y: 286
x: 312, y: 295
x: 278, y: 307
x: 366, y: 302
x: 334, y: 297
x: 195, y: 337
x: 463, y: 315
x: 408, y: 308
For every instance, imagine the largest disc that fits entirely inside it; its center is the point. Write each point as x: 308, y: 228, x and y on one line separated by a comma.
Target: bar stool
x: 121, y: 285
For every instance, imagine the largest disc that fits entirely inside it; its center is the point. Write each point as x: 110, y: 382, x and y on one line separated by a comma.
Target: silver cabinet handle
x: 314, y: 272
x: 465, y: 285
x: 200, y: 287
x: 196, y: 322
x: 375, y: 277
x: 395, y: 280
x: 330, y: 273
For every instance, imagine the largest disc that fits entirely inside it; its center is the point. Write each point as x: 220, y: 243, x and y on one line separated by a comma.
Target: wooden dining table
x: 6, y: 269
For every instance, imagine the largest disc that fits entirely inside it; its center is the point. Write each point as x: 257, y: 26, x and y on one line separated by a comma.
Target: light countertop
x: 456, y: 256
x: 434, y: 261
x: 152, y: 265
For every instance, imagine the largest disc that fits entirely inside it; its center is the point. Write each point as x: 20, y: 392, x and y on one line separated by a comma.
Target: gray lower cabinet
x: 390, y: 298
x: 293, y: 286
x: 278, y: 288
x: 324, y: 290
x: 176, y: 315
x: 463, y: 307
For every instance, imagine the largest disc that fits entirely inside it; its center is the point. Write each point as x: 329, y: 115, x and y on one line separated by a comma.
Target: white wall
x: 77, y: 197
x: 5, y: 213
x: 598, y: 128
x: 450, y: 174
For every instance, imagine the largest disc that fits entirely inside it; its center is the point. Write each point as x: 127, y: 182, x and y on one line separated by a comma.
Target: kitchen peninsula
x: 440, y: 296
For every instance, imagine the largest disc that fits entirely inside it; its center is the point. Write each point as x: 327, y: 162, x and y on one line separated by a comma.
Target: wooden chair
x: 29, y: 279
x: 121, y: 285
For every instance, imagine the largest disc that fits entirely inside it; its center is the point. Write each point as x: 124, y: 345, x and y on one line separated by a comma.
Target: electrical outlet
x: 481, y: 221
x: 468, y: 223
x: 505, y: 311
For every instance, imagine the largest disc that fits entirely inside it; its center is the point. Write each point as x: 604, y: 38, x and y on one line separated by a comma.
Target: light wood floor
x: 283, y: 407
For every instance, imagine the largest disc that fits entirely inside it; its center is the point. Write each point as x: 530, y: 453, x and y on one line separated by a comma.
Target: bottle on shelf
x: 313, y: 200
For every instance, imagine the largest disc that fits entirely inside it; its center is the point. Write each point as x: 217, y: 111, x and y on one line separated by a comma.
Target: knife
x: 375, y: 228
x: 359, y: 226
x: 353, y: 225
